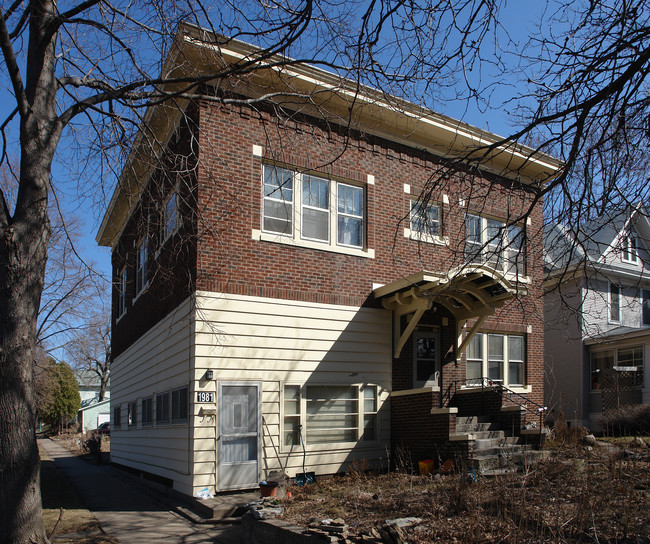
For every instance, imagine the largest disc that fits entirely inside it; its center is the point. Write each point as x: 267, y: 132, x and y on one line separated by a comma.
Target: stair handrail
x: 497, y: 385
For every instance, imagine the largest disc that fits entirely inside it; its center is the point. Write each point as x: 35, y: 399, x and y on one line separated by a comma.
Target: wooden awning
x: 468, y: 292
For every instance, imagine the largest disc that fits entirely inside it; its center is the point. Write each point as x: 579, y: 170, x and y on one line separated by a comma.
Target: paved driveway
x: 129, y: 511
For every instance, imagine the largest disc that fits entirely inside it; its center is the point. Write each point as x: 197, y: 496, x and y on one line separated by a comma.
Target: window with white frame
x: 162, y: 408
x: 312, y: 208
x: 629, y: 249
x: 179, y: 405
x: 142, y: 256
x: 117, y: 417
x: 169, y: 216
x: 604, y: 361
x: 645, y: 309
x: 329, y: 414
x: 147, y: 411
x: 491, y: 241
x: 614, y: 303
x: 133, y: 414
x: 425, y: 221
x: 121, y: 293
x: 500, y: 358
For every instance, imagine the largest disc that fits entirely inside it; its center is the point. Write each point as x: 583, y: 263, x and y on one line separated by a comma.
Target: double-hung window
x: 169, y: 217
x: 500, y: 358
x: 425, y: 221
x: 308, y: 208
x: 491, y: 241
x: 329, y: 414
x: 645, y: 309
x: 147, y: 411
x: 162, y: 408
x: 629, y: 250
x: 133, y: 414
x: 142, y: 256
x: 121, y: 293
x: 614, y: 303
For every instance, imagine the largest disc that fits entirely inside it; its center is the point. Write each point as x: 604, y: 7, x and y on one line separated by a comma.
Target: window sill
x: 279, y: 239
x: 120, y: 317
x: 426, y: 238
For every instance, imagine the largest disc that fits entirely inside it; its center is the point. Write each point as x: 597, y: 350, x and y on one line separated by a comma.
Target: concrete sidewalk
x: 130, y: 511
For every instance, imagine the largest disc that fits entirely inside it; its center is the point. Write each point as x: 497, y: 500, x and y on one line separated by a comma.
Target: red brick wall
x: 228, y: 209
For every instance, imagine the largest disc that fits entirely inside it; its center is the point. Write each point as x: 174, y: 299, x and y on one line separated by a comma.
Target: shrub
x: 629, y: 421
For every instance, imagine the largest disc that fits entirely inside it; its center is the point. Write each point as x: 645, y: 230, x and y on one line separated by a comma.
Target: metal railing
x: 497, y: 386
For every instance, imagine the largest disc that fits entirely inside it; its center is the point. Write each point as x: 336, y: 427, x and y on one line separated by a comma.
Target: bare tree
x: 90, y: 349
x: 93, y: 68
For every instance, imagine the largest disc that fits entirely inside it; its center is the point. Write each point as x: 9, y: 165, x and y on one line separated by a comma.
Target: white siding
x: 280, y: 341
x: 159, y: 361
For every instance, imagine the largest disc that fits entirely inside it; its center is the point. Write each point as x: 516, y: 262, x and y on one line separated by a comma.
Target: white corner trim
x: 256, y: 234
x: 371, y: 179
x: 445, y: 199
x: 258, y: 151
x: 377, y: 285
x: 529, y: 329
x: 407, y: 188
x: 461, y: 202
x: 529, y: 221
x: 407, y: 233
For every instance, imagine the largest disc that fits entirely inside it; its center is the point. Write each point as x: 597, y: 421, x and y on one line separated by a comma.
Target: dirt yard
x: 600, y: 495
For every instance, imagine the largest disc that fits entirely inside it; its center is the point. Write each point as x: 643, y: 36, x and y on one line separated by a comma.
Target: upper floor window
x: 121, y: 293
x: 497, y: 357
x: 645, y: 310
x: 426, y: 220
x: 313, y: 208
x: 142, y: 256
x: 614, y: 303
x: 169, y: 219
x: 491, y: 241
x: 629, y: 253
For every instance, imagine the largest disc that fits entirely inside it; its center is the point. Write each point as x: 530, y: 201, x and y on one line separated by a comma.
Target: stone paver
x: 130, y: 511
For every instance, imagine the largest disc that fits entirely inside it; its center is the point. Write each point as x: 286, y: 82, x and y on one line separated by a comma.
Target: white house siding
x: 563, y: 353
x: 158, y: 361
x: 596, y: 307
x: 275, y: 342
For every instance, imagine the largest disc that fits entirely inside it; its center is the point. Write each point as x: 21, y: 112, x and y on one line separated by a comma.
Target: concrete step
x: 498, y: 449
x: 472, y: 420
x: 476, y: 427
x: 509, y: 459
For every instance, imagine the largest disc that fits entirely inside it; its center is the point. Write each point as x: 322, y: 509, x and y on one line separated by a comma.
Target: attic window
x: 629, y: 248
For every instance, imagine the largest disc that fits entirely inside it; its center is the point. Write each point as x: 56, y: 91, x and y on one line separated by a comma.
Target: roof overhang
x: 468, y: 292
x: 311, y: 90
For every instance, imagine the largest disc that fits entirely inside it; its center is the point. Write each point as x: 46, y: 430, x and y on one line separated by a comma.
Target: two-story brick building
x: 283, y: 296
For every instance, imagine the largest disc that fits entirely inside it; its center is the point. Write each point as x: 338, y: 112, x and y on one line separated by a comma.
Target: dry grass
x: 575, y: 496
x: 66, y: 519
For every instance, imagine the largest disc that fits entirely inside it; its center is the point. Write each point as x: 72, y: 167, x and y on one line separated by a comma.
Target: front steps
x: 491, y: 452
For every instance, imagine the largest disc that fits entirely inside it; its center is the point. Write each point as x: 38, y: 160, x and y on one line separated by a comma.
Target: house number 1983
x: 204, y: 396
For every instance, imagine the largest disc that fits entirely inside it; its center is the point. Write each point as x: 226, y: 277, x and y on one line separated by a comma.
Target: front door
x: 238, y: 432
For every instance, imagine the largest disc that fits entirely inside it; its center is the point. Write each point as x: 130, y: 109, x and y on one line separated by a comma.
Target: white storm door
x: 238, y: 434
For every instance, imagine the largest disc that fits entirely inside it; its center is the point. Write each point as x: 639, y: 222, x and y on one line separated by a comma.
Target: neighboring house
x: 597, y: 309
x: 283, y: 300
x: 93, y: 412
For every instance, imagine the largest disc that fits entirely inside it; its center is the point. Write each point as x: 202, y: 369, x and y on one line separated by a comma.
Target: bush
x: 629, y: 421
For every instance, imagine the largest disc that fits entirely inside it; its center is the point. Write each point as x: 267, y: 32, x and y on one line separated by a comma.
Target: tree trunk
x: 24, y: 240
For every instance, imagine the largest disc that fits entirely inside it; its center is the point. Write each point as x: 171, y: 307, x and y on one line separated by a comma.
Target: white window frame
x: 506, y: 252
x: 141, y: 266
x: 366, y: 414
x: 167, y: 229
x: 121, y: 293
x: 434, y: 380
x: 149, y: 413
x: 629, y: 253
x: 610, y: 303
x: 645, y: 307
x: 614, y: 354
x: 157, y: 418
x: 184, y: 408
x: 420, y: 222
x: 296, y: 208
x: 485, y: 359
x: 132, y: 414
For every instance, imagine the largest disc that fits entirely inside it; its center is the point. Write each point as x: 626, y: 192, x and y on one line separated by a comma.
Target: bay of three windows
x: 313, y: 208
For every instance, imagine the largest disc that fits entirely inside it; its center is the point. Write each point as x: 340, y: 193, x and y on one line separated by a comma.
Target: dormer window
x: 629, y: 254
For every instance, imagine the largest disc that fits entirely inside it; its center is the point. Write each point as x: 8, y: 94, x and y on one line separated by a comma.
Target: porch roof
x: 619, y: 334
x: 468, y: 292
